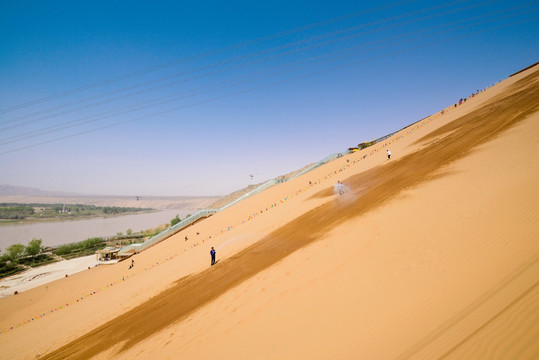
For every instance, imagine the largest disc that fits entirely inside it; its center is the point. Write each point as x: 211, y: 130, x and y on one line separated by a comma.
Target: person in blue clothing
x: 212, y: 253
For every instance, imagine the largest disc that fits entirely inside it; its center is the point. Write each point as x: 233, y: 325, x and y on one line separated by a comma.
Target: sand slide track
x: 513, y: 339
x: 515, y: 295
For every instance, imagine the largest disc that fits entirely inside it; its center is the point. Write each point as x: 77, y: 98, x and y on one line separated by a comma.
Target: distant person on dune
x: 388, y: 154
x: 339, y: 187
x: 212, y: 253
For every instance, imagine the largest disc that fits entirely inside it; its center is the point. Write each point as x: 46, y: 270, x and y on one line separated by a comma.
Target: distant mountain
x: 9, y: 190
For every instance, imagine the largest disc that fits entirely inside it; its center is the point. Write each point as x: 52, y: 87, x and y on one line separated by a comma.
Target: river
x: 64, y: 232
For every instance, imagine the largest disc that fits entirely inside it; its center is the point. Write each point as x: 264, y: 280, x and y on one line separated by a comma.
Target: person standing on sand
x: 212, y: 253
x: 388, y: 154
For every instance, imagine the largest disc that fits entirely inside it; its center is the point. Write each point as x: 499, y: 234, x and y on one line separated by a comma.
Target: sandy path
x: 372, y: 189
x: 44, y: 274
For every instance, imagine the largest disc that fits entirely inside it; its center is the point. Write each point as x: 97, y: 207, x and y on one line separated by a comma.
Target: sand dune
x: 432, y: 254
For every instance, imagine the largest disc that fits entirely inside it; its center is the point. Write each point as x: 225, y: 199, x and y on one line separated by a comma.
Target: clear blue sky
x: 155, y: 98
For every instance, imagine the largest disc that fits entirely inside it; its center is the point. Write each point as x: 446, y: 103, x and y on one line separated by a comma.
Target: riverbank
x: 4, y: 222
x: 65, y: 232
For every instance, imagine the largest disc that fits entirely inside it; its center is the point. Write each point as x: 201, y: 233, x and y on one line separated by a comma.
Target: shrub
x: 64, y: 249
x: 175, y: 220
x: 34, y: 247
x: 9, y: 268
x: 82, y: 248
x: 15, y: 251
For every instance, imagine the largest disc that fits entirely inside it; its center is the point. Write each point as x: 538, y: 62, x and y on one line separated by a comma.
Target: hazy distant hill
x: 24, y: 195
x: 10, y: 190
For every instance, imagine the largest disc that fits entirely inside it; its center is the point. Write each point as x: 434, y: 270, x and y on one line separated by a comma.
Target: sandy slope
x: 432, y: 254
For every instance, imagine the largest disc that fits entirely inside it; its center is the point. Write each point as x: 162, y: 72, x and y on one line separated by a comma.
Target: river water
x: 64, y: 232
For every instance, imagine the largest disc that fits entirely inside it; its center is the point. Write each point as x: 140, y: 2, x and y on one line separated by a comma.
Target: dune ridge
x: 370, y: 189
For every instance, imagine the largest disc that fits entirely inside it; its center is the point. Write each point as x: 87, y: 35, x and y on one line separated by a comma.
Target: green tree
x: 129, y: 231
x: 34, y: 247
x: 175, y: 220
x: 15, y: 251
x: 119, y: 233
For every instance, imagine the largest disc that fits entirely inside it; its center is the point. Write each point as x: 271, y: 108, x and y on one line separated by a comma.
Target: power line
x: 269, y: 85
x: 231, y: 82
x: 206, y: 54
x: 162, y: 79
x: 174, y: 97
x: 227, y: 84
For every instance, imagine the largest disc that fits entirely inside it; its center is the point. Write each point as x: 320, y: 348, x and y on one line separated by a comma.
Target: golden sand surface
x: 431, y: 254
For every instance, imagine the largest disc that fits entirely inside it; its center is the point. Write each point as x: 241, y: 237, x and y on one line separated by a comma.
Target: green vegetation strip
x: 12, y: 211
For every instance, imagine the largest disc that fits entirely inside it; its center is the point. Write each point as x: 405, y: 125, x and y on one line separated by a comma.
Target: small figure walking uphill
x: 212, y: 253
